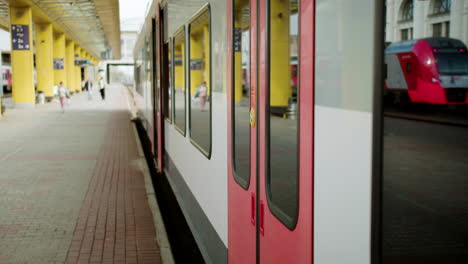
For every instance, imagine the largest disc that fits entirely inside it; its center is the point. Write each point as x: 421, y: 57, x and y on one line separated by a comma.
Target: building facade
x: 415, y: 19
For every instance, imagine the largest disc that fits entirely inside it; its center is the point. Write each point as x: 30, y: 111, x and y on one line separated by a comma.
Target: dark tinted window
x: 168, y: 92
x: 452, y: 63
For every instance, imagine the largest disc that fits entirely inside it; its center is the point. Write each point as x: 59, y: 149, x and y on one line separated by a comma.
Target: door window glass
x: 282, y: 177
x: 241, y: 92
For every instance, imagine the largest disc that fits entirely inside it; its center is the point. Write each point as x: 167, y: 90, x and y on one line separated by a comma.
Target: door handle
x: 252, y: 209
x: 262, y: 218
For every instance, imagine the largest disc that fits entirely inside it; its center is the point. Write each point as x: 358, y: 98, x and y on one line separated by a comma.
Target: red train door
x: 242, y: 131
x: 286, y: 131
x: 270, y: 205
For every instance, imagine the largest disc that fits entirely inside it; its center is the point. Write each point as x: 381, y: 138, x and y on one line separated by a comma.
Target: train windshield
x: 452, y: 63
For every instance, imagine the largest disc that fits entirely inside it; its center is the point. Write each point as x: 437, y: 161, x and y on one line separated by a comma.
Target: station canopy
x: 93, y: 24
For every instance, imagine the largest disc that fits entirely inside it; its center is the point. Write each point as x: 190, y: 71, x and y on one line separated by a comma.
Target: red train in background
x: 430, y: 71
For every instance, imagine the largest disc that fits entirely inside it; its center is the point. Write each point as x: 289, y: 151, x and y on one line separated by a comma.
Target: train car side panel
x: 343, y: 130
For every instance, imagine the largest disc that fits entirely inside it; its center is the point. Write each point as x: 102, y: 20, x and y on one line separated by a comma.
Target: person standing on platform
x: 62, y: 92
x: 102, y: 88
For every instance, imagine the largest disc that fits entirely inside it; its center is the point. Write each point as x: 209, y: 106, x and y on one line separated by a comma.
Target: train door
x: 286, y: 135
x: 242, y: 132
x: 155, y: 87
x: 158, y: 85
x: 271, y: 131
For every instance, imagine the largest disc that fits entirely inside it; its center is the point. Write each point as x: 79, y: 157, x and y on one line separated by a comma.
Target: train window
x: 424, y: 182
x: 241, y: 92
x: 282, y: 124
x: 200, y: 81
x: 168, y: 91
x: 452, y: 63
x: 138, y: 80
x: 179, y: 80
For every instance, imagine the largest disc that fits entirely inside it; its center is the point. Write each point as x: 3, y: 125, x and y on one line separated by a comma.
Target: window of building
x: 282, y: 120
x: 407, y: 34
x: 441, y: 29
x: 179, y: 80
x: 407, y: 11
x: 441, y: 7
x: 437, y: 30
x: 200, y: 81
x: 241, y: 92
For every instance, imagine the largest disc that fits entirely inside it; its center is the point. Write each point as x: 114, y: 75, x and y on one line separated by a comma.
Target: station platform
x: 73, y: 185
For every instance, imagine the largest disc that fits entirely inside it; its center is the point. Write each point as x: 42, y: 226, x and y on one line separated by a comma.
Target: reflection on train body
x: 425, y: 153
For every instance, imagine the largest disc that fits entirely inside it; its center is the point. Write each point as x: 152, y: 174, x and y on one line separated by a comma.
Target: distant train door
x: 286, y: 118
x: 158, y: 86
x: 242, y: 132
x: 154, y: 88
x: 271, y: 131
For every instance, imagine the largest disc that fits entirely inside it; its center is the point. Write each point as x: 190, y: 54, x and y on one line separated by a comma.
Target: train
x: 7, y: 73
x: 6, y: 79
x: 217, y: 83
x: 429, y: 71
x: 5, y: 66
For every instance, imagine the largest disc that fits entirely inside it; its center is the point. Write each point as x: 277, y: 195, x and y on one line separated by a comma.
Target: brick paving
x: 71, y: 190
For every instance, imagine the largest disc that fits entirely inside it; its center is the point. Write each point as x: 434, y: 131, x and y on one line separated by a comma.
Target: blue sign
x: 59, y: 64
x: 82, y: 62
x: 20, y: 37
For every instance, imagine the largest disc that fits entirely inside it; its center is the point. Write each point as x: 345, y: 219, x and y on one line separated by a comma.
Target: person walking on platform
x: 62, y: 92
x: 202, y: 93
x: 102, y: 88
x: 89, y: 88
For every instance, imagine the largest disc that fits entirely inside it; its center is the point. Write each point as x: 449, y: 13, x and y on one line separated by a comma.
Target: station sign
x: 82, y: 62
x: 196, y: 64
x: 20, y: 37
x: 237, y: 39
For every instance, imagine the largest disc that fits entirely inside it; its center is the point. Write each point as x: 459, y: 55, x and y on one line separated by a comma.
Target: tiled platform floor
x: 69, y: 187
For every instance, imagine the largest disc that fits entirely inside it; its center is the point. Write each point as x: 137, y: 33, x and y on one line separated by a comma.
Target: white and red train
x: 431, y: 70
x: 6, y: 72
x: 289, y: 172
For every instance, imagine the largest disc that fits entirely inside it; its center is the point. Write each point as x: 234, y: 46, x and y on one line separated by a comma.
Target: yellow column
x: 196, y: 55
x: 77, y: 70
x: 179, y: 78
x: 238, y: 63
x: 60, y: 75
x: 280, y: 75
x: 70, y: 65
x: 22, y: 57
x: 44, y: 59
